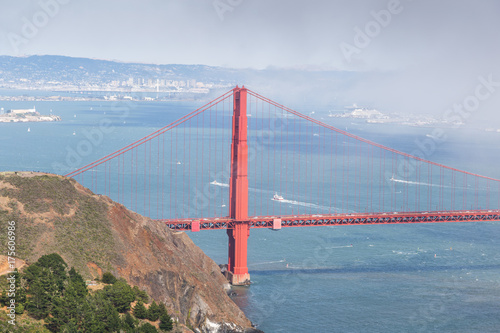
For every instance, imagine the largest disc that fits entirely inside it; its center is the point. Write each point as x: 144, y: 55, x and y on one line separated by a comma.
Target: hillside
x: 54, y: 214
x: 70, y: 70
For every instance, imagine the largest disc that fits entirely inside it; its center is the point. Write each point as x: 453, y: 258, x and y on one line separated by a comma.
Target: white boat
x: 179, y: 163
x: 29, y: 130
x: 277, y: 197
x: 219, y: 184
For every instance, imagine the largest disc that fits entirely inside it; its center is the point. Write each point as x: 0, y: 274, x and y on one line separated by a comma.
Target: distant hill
x: 54, y: 214
x: 289, y: 85
x: 71, y: 70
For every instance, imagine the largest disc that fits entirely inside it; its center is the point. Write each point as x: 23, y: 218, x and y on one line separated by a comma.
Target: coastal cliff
x: 95, y: 235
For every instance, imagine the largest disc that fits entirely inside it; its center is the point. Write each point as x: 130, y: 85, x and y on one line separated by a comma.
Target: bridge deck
x: 338, y: 219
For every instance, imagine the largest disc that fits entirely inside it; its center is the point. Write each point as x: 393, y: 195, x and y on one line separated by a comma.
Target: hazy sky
x: 415, y: 50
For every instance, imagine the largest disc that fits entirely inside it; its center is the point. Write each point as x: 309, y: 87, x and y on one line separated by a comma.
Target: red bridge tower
x: 238, y: 192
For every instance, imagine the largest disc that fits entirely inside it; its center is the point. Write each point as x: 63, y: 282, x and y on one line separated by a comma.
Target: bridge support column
x: 238, y: 192
x: 237, y: 258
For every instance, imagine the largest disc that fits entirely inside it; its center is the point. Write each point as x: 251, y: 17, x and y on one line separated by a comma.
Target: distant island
x: 373, y: 116
x: 25, y: 116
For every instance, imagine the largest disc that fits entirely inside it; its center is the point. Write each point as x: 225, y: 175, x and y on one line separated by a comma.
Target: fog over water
x: 399, y: 56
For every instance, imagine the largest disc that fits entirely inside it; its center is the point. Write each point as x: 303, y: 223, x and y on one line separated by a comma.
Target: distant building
x: 21, y: 111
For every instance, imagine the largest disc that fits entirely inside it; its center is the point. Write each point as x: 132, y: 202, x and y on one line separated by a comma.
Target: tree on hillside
x: 140, y: 311
x: 108, y: 278
x: 147, y: 328
x: 21, y: 285
x: 42, y: 292
x: 70, y: 327
x: 67, y: 307
x: 140, y: 295
x: 153, y: 312
x: 120, y: 294
x: 3, y: 297
x: 77, y: 283
x: 128, y: 323
x: 56, y: 264
x: 64, y: 310
x: 45, y: 281
x: 162, y: 309
x: 99, y: 314
x: 166, y: 323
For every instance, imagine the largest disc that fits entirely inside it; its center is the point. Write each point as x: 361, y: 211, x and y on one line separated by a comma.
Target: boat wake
x: 415, y: 183
x: 280, y: 199
x: 307, y: 204
x: 338, y: 247
x: 216, y: 183
x: 266, y: 262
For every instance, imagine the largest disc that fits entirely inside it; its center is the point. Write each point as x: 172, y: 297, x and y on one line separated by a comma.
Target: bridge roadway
x: 278, y: 222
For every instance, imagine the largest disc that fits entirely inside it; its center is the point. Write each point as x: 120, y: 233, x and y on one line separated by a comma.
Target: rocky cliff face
x: 95, y: 234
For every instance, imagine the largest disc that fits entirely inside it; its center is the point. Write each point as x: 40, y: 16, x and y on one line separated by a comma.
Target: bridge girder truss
x: 337, y: 219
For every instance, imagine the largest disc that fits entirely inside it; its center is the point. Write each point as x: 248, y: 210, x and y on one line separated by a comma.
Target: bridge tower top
x: 238, y: 185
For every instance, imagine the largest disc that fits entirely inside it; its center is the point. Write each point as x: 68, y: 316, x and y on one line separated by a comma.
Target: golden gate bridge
x: 243, y: 161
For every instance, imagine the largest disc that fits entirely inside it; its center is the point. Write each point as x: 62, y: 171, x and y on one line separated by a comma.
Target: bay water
x: 373, y: 278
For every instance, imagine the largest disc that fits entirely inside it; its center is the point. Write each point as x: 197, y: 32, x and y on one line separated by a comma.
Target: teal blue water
x: 387, y: 278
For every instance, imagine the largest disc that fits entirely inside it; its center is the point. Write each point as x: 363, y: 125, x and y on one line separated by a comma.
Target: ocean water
x: 385, y: 278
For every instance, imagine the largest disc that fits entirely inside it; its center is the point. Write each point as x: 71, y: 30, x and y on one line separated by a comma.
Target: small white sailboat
x: 29, y: 130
